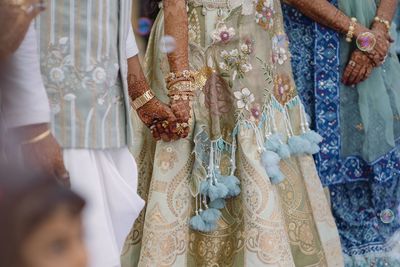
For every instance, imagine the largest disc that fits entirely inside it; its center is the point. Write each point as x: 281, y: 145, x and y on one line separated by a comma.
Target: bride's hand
x: 160, y: 119
x: 182, y: 110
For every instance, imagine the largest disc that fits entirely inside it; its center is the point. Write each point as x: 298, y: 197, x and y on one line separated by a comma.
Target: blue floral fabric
x: 364, y: 196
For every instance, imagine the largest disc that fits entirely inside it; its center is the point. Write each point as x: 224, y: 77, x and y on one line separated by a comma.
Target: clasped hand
x: 167, y: 123
x: 361, y: 64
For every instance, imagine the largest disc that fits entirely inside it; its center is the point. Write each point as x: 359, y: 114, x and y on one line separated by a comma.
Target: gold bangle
x: 181, y: 86
x: 383, y: 21
x: 142, y: 100
x: 37, y: 138
x: 352, y: 27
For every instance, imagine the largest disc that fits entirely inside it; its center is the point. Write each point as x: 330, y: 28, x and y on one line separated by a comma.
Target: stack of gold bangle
x: 180, y: 85
x: 352, y: 27
x: 386, y: 22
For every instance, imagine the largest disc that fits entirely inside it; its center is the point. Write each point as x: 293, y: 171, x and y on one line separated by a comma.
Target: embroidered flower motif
x: 244, y: 98
x: 222, y: 34
x: 279, y: 49
x: 283, y: 88
x: 57, y: 75
x: 279, y: 56
x: 99, y: 75
x: 246, y: 48
x: 236, y: 61
x: 255, y: 111
x: 246, y: 67
x: 265, y: 13
x: 167, y: 158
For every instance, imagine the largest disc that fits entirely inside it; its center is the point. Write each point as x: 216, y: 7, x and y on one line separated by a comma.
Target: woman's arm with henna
x: 387, y: 9
x: 326, y: 14
x: 176, y: 26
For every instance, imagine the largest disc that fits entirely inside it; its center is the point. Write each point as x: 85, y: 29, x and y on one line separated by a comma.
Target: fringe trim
x: 215, y: 187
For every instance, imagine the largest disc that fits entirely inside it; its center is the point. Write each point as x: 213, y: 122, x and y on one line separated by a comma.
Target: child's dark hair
x: 26, y: 201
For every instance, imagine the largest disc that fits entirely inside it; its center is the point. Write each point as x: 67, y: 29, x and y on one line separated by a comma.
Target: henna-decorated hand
x: 358, y: 68
x: 381, y: 49
x: 182, y: 110
x: 160, y: 119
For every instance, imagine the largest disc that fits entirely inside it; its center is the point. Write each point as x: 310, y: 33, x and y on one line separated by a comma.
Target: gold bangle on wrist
x: 143, y: 99
x: 37, y: 138
x: 383, y: 21
x: 352, y: 27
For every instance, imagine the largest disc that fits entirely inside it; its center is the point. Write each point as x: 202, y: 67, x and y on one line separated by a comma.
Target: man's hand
x: 43, y: 156
x: 160, y: 119
x: 15, y: 19
x: 358, y: 68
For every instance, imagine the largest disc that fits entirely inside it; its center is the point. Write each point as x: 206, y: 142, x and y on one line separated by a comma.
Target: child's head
x: 40, y: 224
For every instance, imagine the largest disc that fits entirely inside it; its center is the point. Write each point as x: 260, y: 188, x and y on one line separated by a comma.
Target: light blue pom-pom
x: 197, y: 223
x: 217, y: 204
x: 273, y: 142
x: 210, y: 227
x: 217, y: 190
x: 283, y: 151
x: 204, y: 186
x: 270, y: 158
x: 312, y: 137
x: 232, y: 183
x: 314, y: 149
x: 298, y: 145
x: 275, y: 174
x: 210, y: 215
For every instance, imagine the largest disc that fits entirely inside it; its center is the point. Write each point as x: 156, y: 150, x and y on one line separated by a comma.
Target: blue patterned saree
x: 360, y: 155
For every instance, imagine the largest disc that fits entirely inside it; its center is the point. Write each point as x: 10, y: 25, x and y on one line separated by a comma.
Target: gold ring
x: 352, y: 63
x: 165, y: 124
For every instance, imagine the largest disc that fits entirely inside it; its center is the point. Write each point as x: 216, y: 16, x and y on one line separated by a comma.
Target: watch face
x: 366, y: 41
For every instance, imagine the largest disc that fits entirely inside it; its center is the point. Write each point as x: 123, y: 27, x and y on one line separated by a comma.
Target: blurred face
x: 57, y: 242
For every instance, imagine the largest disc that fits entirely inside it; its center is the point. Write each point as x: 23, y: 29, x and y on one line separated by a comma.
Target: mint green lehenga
x: 245, y: 98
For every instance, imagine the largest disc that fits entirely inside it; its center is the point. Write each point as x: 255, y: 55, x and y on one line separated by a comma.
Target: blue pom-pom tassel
x: 204, y: 186
x: 217, y: 204
x: 210, y: 215
x: 273, y: 142
x: 232, y: 183
x: 283, y: 151
x: 298, y: 145
x: 270, y: 158
x: 312, y: 137
x: 313, y: 149
x: 275, y: 174
x: 217, y: 190
x: 197, y: 223
x: 209, y: 227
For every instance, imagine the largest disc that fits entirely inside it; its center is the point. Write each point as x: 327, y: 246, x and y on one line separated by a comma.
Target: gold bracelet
x: 181, y: 86
x: 386, y: 22
x: 38, y: 138
x: 179, y: 75
x: 142, y: 100
x: 352, y: 27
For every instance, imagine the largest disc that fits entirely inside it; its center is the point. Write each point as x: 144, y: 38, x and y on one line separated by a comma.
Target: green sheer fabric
x: 370, y: 130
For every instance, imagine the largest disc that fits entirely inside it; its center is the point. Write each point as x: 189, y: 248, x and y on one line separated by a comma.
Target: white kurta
x: 23, y: 96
